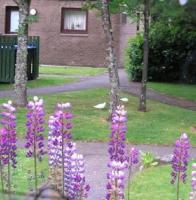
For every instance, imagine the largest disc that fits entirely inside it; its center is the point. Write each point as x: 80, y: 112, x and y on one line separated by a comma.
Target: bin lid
x: 28, y: 46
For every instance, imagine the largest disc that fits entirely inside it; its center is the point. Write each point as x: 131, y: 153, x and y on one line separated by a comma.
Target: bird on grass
x: 124, y: 99
x: 100, y: 106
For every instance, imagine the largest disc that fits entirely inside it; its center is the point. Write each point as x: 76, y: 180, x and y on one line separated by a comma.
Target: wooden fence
x: 8, y: 47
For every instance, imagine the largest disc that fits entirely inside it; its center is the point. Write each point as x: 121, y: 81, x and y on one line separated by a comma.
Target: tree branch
x: 16, y: 2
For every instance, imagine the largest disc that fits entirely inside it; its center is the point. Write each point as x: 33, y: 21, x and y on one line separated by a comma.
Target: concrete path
x: 102, y: 81
x: 96, y: 159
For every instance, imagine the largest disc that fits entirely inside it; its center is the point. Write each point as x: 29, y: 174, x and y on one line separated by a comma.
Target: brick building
x: 68, y: 34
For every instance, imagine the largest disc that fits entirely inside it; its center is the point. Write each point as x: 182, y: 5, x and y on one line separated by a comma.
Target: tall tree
x: 142, y: 104
x: 106, y: 8
x: 133, y: 7
x: 20, y: 88
x: 111, y: 58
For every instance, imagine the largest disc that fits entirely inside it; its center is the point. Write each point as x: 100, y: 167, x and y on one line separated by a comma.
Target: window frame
x: 8, y: 11
x: 68, y: 31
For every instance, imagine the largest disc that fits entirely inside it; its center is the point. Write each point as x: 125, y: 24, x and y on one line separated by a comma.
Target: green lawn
x: 162, y: 124
x: 41, y: 82
x: 176, y: 90
x: 154, y: 184
x: 83, y: 71
x: 21, y: 175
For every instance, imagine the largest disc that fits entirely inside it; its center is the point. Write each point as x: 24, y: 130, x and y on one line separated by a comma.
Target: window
x: 74, y: 20
x: 12, y: 19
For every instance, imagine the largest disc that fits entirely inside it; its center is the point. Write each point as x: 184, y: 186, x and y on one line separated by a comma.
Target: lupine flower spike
x: 118, y: 158
x: 8, y: 139
x: 62, y: 154
x: 193, y: 183
x: 180, y: 161
x: 74, y: 179
x: 34, y: 136
x: 133, y: 159
x: 59, y: 135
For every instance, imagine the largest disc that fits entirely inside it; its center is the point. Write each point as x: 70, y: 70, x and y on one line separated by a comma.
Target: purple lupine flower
x: 59, y: 133
x: 193, y: 183
x: 133, y: 157
x: 35, y: 129
x: 75, y: 184
x: 8, y: 134
x: 116, y: 178
x: 118, y: 158
x: 62, y: 153
x: 180, y: 159
x: 117, y: 137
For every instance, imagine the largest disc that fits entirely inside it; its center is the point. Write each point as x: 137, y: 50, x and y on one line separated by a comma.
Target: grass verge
x: 177, y: 90
x: 162, y: 124
x: 82, y: 71
x: 41, y: 82
x: 23, y: 177
x: 154, y: 184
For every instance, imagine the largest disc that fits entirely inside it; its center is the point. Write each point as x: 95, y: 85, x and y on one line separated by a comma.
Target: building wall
x: 57, y: 48
x: 127, y: 30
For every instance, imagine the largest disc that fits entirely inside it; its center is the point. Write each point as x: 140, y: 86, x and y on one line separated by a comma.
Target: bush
x: 134, y: 57
x: 171, y: 56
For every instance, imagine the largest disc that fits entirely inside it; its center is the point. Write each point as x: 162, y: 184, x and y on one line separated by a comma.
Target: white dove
x: 100, y: 106
x: 124, y: 99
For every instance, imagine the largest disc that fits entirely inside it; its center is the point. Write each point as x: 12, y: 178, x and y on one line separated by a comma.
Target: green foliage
x: 134, y: 57
x: 32, y: 19
x: 171, y: 57
x: 148, y: 160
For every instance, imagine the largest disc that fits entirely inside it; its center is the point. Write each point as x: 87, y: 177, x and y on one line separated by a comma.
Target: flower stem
x: 1, y: 174
x: 129, y: 182
x: 178, y: 186
x: 9, y: 179
x: 8, y: 167
x: 63, y: 160
x: 35, y: 164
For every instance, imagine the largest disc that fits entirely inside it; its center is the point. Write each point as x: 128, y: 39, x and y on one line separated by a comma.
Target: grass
x: 41, y: 82
x: 154, y: 184
x: 82, y: 71
x: 21, y: 175
x: 162, y: 124
x: 177, y: 90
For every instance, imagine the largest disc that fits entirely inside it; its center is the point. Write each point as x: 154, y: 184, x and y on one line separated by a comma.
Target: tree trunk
x: 20, y: 88
x: 111, y: 58
x: 142, y: 104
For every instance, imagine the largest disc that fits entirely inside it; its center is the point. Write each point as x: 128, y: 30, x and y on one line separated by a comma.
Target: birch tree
x: 20, y: 85
x: 111, y: 58
x: 133, y: 7
x: 142, y: 103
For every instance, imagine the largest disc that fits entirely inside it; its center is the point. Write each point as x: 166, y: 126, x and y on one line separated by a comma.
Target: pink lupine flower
x: 34, y: 135
x: 8, y: 141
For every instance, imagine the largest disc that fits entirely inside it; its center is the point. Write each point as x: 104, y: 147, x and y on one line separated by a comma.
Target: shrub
x: 171, y: 56
x: 134, y: 57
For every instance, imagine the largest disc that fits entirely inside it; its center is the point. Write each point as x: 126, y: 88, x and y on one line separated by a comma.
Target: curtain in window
x: 14, y: 21
x: 75, y: 20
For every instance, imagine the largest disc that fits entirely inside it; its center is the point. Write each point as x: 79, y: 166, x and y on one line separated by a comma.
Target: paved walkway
x: 102, y: 81
x: 96, y: 159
